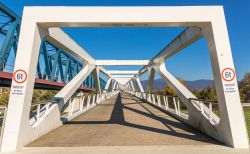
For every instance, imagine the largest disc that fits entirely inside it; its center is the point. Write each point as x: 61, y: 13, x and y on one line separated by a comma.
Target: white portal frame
x: 37, y: 23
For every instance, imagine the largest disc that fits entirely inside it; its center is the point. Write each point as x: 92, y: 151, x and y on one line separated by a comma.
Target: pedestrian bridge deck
x: 123, y: 121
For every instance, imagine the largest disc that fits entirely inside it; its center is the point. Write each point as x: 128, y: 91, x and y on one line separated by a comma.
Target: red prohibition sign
x: 230, y: 77
x: 22, y: 79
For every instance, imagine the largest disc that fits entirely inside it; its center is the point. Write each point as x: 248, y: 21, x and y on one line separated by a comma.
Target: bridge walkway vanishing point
x: 123, y: 120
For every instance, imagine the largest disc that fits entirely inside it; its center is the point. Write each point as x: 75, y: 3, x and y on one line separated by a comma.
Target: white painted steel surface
x: 207, y: 21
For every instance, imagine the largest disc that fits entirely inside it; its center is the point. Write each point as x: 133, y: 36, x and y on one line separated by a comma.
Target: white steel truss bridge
x: 39, y: 23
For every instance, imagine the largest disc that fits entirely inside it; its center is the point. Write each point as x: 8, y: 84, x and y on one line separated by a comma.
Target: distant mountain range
x: 196, y: 84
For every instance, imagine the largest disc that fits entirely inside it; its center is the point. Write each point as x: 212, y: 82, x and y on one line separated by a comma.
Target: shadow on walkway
x: 117, y: 117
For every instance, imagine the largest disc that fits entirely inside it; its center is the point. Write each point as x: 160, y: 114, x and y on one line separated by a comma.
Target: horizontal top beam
x: 172, y: 16
x: 121, y: 79
x: 122, y: 76
x: 122, y: 72
x: 121, y: 62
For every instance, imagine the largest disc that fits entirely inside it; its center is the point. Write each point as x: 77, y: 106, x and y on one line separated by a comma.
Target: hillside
x: 196, y: 84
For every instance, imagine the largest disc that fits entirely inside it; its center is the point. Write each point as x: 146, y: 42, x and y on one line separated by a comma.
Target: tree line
x: 39, y: 96
x: 209, y: 93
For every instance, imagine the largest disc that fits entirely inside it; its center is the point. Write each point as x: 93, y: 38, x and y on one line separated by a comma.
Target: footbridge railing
x: 75, y: 106
x: 165, y: 102
x: 210, y: 109
x: 39, y: 111
x: 173, y: 104
x: 82, y: 103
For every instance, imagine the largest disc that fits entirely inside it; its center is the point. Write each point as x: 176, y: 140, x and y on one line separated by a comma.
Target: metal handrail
x: 157, y: 94
x: 91, y: 100
x: 204, y: 101
x: 200, y: 104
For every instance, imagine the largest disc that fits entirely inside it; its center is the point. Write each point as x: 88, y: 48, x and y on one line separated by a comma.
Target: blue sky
x: 143, y: 43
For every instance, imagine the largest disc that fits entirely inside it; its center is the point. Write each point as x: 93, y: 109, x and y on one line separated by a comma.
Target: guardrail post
x: 82, y: 102
x: 47, y: 107
x: 165, y: 98
x: 70, y: 104
x: 88, y: 101
x: 201, y: 106
x: 153, y: 96
x: 210, y: 112
x: 72, y: 107
x: 38, y: 112
x: 159, y: 100
x: 178, y: 105
x: 98, y: 98
x: 175, y: 106
x: 94, y: 99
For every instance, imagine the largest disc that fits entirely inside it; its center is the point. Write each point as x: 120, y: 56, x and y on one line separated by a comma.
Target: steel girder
x: 54, y: 64
x: 9, y: 31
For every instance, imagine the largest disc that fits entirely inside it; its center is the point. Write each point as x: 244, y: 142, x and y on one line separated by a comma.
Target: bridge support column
x: 17, y: 118
x: 117, y: 86
x: 151, y: 79
x: 108, y: 84
x: 138, y: 81
x: 111, y: 84
x: 132, y: 85
x: 232, y: 122
x: 114, y: 85
x: 97, y: 80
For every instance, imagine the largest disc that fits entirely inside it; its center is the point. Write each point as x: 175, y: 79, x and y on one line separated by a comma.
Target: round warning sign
x: 228, y: 74
x: 20, y: 76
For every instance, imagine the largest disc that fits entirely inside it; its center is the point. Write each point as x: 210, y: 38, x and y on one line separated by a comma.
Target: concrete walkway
x: 123, y: 121
x: 125, y: 125
x: 167, y: 149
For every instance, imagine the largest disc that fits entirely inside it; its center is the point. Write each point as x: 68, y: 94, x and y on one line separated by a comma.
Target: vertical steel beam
x: 46, y: 59
x: 54, y: 65
x: 108, y: 84
x: 132, y: 85
x: 97, y: 80
x: 138, y: 81
x: 7, y: 43
x: 60, y: 65
x: 75, y: 69
x: 39, y: 73
x: 151, y: 79
x: 66, y: 71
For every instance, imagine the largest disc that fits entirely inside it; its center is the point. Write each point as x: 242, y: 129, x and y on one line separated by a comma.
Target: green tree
x: 244, y: 88
x: 4, y: 96
x: 197, y: 93
x: 208, y: 93
x: 169, y: 90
